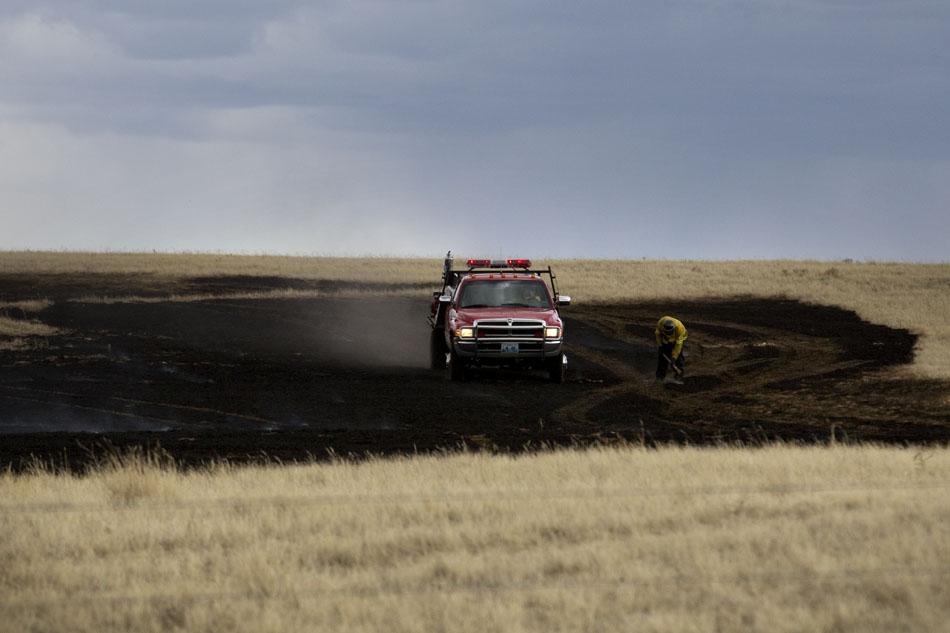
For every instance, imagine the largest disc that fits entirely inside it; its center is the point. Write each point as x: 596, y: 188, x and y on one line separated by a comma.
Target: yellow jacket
x: 678, y: 337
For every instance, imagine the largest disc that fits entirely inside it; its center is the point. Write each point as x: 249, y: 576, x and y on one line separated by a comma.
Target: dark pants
x: 664, y: 352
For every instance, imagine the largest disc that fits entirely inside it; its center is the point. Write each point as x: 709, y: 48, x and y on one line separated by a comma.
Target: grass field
x: 776, y: 538
x: 681, y: 539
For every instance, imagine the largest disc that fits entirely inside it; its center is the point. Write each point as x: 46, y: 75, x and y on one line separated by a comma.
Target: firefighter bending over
x: 670, y: 337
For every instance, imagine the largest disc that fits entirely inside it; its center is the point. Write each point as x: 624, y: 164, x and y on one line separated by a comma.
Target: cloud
x: 44, y: 41
x: 414, y: 126
x: 132, y: 193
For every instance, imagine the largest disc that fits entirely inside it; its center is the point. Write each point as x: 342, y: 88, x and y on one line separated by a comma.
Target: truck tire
x: 456, y: 367
x: 556, y: 369
x: 437, y: 350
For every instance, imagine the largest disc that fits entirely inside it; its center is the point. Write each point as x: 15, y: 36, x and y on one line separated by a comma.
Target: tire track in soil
x: 757, y: 369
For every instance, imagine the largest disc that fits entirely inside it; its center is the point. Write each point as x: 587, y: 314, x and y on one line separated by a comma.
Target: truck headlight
x: 552, y: 332
x: 465, y: 332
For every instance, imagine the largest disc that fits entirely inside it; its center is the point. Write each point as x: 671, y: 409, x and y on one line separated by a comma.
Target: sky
x: 673, y: 129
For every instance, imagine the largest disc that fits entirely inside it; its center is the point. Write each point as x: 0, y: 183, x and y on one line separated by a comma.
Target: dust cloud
x: 366, y: 332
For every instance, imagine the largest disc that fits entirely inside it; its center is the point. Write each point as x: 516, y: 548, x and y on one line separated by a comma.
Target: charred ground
x: 301, y: 378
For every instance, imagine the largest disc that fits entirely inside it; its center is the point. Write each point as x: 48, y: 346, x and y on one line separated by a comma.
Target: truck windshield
x: 521, y: 293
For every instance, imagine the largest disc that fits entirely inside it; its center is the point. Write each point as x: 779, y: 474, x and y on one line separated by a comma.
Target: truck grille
x: 499, y: 341
x: 516, y: 329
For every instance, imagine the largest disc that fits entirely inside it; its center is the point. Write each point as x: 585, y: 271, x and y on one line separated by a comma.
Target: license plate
x: 509, y: 348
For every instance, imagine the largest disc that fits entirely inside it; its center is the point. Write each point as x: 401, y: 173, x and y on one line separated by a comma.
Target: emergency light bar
x: 499, y: 263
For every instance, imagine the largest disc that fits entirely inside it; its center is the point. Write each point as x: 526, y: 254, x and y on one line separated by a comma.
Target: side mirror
x: 564, y: 300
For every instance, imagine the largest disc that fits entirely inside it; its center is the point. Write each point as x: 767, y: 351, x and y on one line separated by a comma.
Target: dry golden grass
x: 177, y: 265
x: 20, y: 333
x: 20, y: 328
x: 912, y: 296
x: 680, y: 539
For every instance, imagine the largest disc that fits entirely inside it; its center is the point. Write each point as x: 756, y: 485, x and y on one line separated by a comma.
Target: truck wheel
x: 437, y: 350
x: 456, y: 367
x: 556, y: 369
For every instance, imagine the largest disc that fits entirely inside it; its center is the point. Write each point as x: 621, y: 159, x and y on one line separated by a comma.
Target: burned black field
x: 310, y: 378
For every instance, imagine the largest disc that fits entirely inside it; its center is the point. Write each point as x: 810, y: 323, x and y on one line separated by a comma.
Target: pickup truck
x: 501, y: 313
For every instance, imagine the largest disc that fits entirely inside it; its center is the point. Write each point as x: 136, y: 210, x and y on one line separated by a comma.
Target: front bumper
x: 504, y: 341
